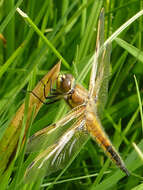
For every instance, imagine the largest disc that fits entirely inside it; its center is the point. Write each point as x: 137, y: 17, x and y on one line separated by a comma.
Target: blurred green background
x: 71, y: 27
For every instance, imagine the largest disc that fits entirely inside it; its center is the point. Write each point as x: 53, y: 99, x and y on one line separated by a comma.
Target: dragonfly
x: 84, y: 117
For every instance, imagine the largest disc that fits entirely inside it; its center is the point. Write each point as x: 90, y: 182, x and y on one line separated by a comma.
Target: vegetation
x: 67, y: 32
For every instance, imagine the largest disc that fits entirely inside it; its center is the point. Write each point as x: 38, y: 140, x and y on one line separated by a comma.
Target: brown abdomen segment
x: 95, y: 129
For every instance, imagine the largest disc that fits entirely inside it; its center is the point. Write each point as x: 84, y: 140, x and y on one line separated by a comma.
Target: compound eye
x: 60, y: 81
x: 65, y: 82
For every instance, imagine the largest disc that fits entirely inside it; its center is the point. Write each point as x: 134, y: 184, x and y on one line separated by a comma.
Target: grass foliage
x: 66, y: 30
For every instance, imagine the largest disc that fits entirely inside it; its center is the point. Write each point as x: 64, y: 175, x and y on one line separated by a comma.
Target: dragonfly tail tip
x: 125, y: 170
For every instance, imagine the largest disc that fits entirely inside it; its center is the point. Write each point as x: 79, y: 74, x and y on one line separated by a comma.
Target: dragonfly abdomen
x: 96, y: 131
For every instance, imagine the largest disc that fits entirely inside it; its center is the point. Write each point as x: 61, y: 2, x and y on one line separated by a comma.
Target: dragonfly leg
x: 53, y: 92
x: 46, y: 97
x: 45, y: 87
x: 46, y: 103
x: 54, y: 95
x: 30, y: 91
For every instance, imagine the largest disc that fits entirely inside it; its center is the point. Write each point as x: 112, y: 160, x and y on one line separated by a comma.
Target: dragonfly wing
x: 62, y: 152
x: 100, y: 32
x: 97, y: 54
x: 43, y: 138
x: 98, y: 88
x: 102, y: 80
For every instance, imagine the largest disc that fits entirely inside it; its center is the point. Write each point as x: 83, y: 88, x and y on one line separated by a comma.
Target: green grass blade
x: 49, y: 44
x: 139, y: 99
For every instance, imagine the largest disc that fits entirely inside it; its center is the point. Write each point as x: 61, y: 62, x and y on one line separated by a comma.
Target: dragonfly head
x: 65, y: 83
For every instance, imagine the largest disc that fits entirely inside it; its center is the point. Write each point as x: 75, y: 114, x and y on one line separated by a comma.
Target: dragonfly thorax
x: 65, y: 83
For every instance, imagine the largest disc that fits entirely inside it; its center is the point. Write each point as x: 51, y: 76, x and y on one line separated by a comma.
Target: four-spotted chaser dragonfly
x: 85, y: 114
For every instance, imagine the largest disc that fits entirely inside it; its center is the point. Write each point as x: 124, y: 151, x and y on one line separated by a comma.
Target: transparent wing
x: 100, y: 70
x: 97, y: 54
x: 102, y: 81
x: 100, y: 32
x: 59, y: 154
x: 44, y: 138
